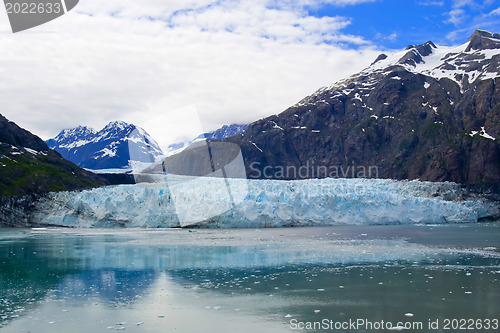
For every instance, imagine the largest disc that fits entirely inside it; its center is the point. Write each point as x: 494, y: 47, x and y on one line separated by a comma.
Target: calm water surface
x: 271, y: 280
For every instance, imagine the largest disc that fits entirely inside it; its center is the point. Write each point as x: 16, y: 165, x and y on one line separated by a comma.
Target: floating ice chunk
x: 409, y: 315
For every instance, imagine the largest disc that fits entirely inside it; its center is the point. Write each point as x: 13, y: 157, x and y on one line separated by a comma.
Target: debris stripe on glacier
x: 262, y: 203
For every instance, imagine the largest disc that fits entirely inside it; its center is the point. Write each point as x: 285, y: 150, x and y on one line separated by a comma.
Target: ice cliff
x: 238, y: 203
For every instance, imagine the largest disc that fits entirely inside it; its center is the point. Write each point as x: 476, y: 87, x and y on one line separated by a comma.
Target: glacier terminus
x: 184, y: 201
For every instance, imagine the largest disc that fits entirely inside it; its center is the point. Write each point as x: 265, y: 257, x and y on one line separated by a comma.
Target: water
x: 271, y: 280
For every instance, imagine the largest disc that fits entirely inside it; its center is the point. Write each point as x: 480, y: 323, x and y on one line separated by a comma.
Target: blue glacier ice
x: 179, y: 201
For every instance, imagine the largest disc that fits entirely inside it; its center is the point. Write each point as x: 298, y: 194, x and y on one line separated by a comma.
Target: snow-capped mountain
x: 118, y: 145
x: 222, y: 133
x: 225, y: 131
x: 428, y: 112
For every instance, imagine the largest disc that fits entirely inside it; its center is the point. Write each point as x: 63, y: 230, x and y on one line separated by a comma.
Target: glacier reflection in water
x: 246, y: 280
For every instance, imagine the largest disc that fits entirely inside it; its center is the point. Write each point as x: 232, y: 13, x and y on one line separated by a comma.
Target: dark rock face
x: 18, y: 212
x: 379, y: 58
x: 28, y: 166
x: 115, y: 146
x: 483, y: 40
x: 427, y: 113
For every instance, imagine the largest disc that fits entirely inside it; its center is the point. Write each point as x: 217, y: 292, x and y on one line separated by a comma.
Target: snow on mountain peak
x: 79, y: 130
x: 479, y: 58
x: 117, y: 145
x: 117, y: 124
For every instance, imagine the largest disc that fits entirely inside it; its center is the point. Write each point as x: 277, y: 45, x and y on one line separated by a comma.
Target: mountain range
x: 117, y: 146
x: 428, y: 112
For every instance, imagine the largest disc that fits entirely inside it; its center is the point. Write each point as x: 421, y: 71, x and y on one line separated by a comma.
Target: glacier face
x: 180, y: 201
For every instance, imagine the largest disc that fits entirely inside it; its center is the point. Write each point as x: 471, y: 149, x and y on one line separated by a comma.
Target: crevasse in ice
x: 238, y: 203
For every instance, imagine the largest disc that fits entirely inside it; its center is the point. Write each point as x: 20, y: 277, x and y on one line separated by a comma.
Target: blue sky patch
x: 396, y: 23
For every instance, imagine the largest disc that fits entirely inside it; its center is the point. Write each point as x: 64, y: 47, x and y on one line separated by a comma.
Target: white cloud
x: 495, y: 12
x: 430, y: 3
x: 392, y: 37
x: 462, y: 3
x: 235, y: 61
x: 469, y: 15
x: 314, y: 3
x: 456, y: 16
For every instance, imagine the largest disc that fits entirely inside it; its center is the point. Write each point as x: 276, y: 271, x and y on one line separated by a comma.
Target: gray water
x: 269, y: 280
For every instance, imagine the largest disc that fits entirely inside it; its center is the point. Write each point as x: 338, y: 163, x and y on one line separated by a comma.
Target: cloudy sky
x: 177, y: 67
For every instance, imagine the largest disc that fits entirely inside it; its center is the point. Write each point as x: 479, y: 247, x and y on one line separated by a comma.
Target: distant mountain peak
x: 416, y: 54
x: 79, y: 130
x: 224, y: 132
x: 118, y: 145
x: 118, y: 124
x: 483, y: 40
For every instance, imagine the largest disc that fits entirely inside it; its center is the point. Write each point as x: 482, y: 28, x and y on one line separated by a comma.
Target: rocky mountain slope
x: 28, y: 166
x: 428, y: 112
x: 118, y: 145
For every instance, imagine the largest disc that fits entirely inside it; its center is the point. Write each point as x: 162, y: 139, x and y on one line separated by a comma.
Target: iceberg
x: 215, y: 202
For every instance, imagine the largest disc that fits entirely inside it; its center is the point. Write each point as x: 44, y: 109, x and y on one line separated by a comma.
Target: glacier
x: 217, y: 202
